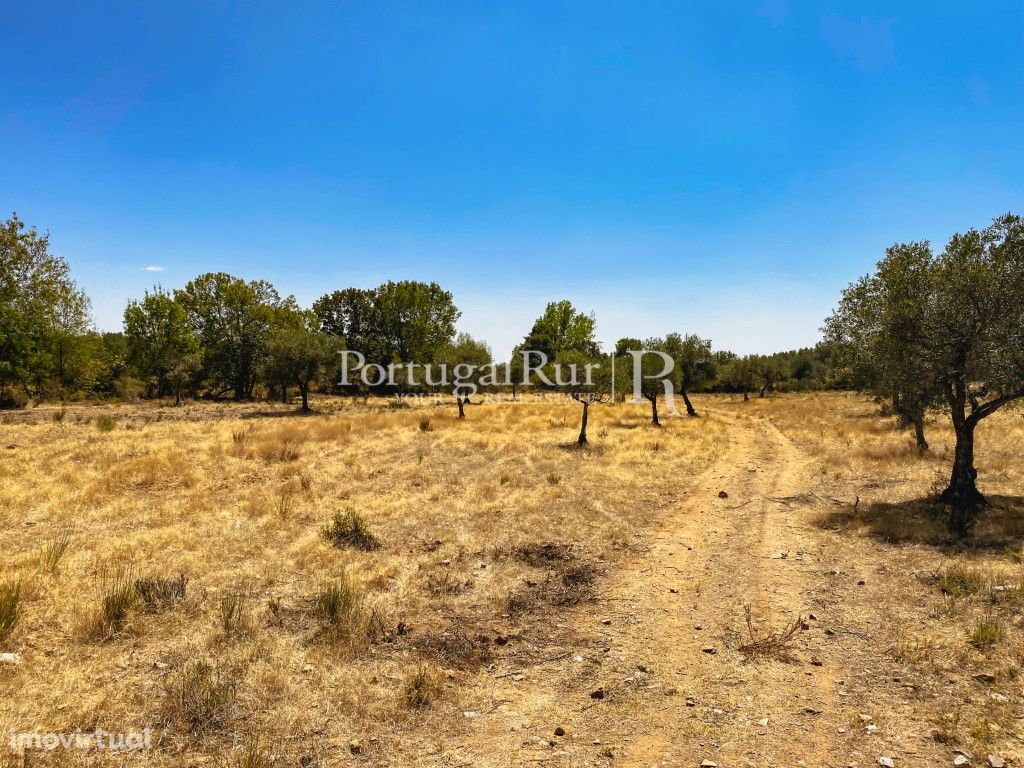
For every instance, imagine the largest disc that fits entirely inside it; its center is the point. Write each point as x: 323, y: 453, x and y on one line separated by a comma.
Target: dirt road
x: 664, y: 645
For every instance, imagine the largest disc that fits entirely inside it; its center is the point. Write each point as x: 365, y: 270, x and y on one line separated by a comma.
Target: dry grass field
x: 373, y: 585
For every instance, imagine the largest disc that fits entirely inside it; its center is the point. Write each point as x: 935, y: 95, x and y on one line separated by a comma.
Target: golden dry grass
x: 285, y: 646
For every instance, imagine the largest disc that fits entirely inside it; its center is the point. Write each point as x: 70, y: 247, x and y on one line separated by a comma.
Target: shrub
x: 349, y: 530
x: 160, y: 593
x: 105, y: 423
x: 425, y: 424
x: 58, y: 416
x: 11, y: 398
x: 10, y: 609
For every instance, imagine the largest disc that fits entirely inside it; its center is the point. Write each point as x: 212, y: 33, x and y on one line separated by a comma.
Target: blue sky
x: 717, y: 168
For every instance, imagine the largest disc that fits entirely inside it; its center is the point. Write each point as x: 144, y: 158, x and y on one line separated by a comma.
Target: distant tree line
x: 224, y: 337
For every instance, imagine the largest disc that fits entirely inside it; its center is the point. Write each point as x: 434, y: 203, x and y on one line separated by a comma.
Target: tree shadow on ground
x: 924, y: 521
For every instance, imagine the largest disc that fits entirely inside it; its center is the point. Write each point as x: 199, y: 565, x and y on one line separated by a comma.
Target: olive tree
x: 695, y: 364
x: 975, y: 338
x: 944, y: 331
x: 878, y: 333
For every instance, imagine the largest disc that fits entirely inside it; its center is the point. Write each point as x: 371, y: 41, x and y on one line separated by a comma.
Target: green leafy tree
x: 740, y: 373
x: 42, y: 311
x: 878, y: 333
x: 975, y: 333
x: 968, y: 306
x: 232, y: 319
x: 465, y: 351
x: 629, y: 353
x: 695, y: 364
x: 158, y: 338
x: 767, y: 373
x: 396, y: 322
x: 298, y: 353
x: 562, y: 329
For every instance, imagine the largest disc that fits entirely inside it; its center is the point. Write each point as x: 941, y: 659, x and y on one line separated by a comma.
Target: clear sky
x: 718, y: 168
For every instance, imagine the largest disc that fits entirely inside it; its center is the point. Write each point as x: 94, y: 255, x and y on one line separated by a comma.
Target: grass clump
x: 421, y: 688
x: 987, y: 632
x: 960, y: 581
x: 117, y: 598
x: 425, y: 425
x: 340, y: 609
x: 53, y: 551
x: 202, y: 696
x: 10, y: 609
x: 161, y: 593
x: 234, y: 614
x: 348, y: 530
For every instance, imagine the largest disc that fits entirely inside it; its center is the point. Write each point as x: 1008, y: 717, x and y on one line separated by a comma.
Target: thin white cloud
x: 152, y: 269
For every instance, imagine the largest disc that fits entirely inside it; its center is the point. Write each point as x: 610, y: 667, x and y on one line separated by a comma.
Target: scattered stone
x: 644, y: 668
x: 469, y: 713
x: 10, y: 658
x: 811, y: 711
x: 723, y: 495
x: 709, y: 763
x: 985, y: 677
x: 763, y: 722
x: 961, y: 760
x: 559, y: 731
x: 861, y: 582
x: 673, y: 590
x: 866, y: 718
x: 598, y: 694
x: 709, y: 649
x: 871, y: 728
x: 886, y: 762
x: 355, y: 747
x: 815, y: 661
x: 606, y: 621
x: 690, y: 702
x: 995, y: 761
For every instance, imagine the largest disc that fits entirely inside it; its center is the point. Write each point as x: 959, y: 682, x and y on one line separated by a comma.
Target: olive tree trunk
x: 962, y: 491
x: 922, y: 444
x: 583, y: 424
x: 689, y: 406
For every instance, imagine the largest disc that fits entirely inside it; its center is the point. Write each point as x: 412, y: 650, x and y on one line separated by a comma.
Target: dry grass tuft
x: 201, y: 696
x: 161, y: 593
x: 422, y: 687
x: 777, y: 644
x: 10, y: 609
x: 349, y: 530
